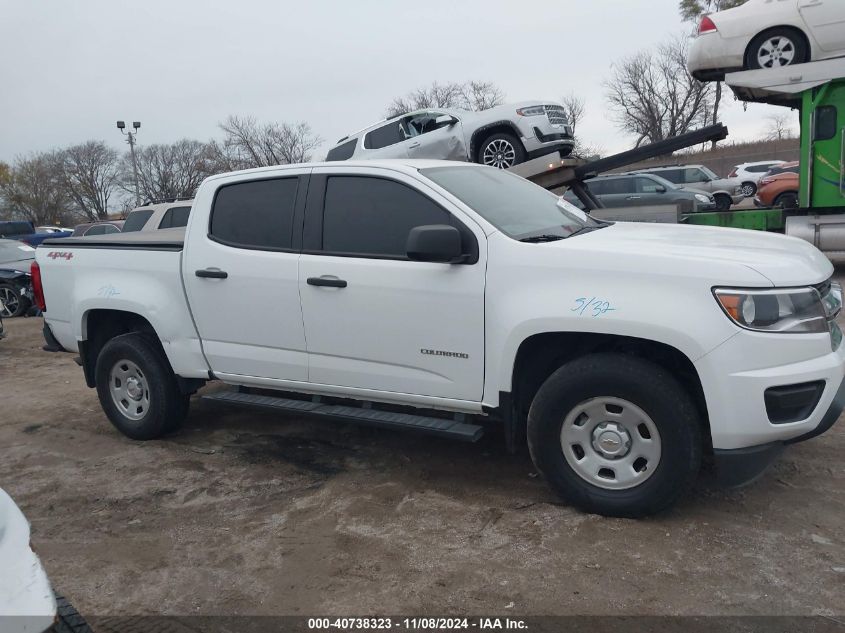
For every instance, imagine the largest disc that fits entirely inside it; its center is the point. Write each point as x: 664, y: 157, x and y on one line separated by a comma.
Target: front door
x: 430, y: 139
x: 375, y: 320
x: 242, y: 279
x: 826, y: 20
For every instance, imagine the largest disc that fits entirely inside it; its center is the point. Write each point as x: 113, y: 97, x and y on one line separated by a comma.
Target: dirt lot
x: 246, y: 512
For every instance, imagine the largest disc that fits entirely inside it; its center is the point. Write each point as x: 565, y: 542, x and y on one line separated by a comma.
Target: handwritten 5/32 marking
x: 592, y: 306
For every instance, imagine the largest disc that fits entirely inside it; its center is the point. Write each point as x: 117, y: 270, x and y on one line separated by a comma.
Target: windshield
x: 516, y: 207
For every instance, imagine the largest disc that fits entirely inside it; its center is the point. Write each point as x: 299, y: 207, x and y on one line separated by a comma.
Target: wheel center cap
x: 133, y: 388
x: 611, y: 440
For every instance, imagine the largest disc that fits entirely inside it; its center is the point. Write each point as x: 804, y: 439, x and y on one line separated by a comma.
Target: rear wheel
x: 749, y: 189
x: 777, y: 48
x: 501, y: 150
x: 615, y: 435
x: 723, y: 201
x: 12, y: 303
x: 787, y: 200
x: 137, y: 388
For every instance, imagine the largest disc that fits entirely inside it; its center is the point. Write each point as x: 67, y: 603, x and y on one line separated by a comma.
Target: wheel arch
x: 790, y: 27
x: 498, y: 127
x: 540, y: 355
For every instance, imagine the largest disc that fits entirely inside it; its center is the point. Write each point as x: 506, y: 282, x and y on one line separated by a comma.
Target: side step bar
x: 386, y: 419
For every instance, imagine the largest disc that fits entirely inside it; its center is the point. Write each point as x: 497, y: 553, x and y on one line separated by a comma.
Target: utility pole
x: 131, y: 140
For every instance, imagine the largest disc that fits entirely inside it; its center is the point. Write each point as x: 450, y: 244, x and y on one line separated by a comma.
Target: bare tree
x: 469, y: 95
x: 167, y: 171
x: 89, y: 174
x: 248, y: 143
x: 654, y: 97
x: 779, y: 127
x: 32, y: 189
x: 574, y: 108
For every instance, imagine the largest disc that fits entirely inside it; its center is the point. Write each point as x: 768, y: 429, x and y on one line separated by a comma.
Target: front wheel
x: 788, y: 200
x: 723, y: 202
x: 137, y: 388
x: 501, y: 150
x: 615, y: 435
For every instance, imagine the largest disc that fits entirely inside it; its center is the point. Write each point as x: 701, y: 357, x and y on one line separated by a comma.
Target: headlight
x: 531, y: 111
x: 702, y: 198
x: 792, y: 311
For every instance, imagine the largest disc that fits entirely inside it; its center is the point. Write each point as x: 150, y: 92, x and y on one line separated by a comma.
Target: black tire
x: 723, y: 202
x: 515, y: 144
x: 748, y: 189
x: 68, y: 619
x: 796, y: 42
x: 164, y: 405
x: 641, y: 383
x: 18, y: 304
x: 787, y: 200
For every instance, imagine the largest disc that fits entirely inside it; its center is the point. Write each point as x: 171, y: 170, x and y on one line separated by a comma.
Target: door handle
x: 212, y: 273
x: 633, y: 198
x: 414, y: 145
x: 327, y: 282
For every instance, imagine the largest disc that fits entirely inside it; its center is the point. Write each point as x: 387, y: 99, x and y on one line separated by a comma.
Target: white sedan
x: 767, y: 34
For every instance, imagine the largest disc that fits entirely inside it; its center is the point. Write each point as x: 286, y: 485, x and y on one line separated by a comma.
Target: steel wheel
x: 10, y: 301
x: 776, y: 52
x: 611, y: 443
x: 129, y: 389
x: 499, y: 153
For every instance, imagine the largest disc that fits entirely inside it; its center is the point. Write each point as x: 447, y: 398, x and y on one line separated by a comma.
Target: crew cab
x: 452, y: 299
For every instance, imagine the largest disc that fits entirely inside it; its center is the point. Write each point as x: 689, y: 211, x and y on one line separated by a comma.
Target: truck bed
x: 165, y: 239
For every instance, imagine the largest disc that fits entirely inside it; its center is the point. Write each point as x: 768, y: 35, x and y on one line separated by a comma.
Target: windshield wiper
x: 536, y: 239
x: 588, y: 229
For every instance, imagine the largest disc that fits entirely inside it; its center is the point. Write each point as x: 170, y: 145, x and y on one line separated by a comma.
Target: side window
x: 110, y: 228
x: 672, y: 175
x: 175, y: 217
x: 694, y: 175
x: 342, y: 152
x: 384, y: 136
x: 255, y: 214
x: 759, y: 169
x: 373, y: 216
x: 825, y: 123
x: 136, y: 220
x: 596, y: 187
x: 646, y: 185
x: 619, y: 186
x: 422, y: 123
x: 97, y: 229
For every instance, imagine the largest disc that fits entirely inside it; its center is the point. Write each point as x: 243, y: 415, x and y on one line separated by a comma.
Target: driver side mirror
x: 660, y: 189
x: 445, y: 120
x: 439, y: 243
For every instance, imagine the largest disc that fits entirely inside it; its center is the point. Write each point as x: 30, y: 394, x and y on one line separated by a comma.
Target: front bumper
x: 737, y: 467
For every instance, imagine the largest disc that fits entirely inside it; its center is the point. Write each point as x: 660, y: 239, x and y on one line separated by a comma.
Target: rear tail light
x: 707, y: 25
x: 37, y: 287
x: 733, y: 174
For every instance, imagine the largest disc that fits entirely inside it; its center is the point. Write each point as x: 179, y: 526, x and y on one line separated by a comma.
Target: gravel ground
x: 249, y: 512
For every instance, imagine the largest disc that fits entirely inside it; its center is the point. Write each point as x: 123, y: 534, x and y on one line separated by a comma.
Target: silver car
x: 726, y: 191
x: 501, y: 137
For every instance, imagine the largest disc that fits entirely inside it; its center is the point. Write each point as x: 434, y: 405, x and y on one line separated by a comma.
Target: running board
x: 386, y: 419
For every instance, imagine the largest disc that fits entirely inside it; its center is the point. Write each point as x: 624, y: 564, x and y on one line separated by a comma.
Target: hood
x: 727, y: 255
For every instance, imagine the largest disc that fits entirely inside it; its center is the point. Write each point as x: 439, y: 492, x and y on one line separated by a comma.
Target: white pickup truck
x: 452, y: 299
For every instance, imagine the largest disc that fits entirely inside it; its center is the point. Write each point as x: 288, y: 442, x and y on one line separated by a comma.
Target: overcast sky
x: 70, y: 69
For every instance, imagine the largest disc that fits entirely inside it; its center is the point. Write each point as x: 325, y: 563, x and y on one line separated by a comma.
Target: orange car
x: 779, y: 188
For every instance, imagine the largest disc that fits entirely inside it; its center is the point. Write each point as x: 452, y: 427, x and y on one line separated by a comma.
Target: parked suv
x: 779, y: 188
x: 750, y: 174
x: 501, y: 137
x: 641, y: 190
x: 163, y: 215
x: 726, y: 191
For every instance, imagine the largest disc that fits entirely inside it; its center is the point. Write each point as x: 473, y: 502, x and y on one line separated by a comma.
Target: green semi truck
x: 817, y: 90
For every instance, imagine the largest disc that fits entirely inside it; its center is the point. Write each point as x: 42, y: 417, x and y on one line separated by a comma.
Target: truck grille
x: 557, y: 116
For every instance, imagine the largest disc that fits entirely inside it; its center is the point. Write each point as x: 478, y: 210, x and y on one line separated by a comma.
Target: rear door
x: 240, y: 269
x: 389, y: 324
x: 826, y: 21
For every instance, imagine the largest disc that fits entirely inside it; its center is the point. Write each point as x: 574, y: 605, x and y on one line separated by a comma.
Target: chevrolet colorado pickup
x: 453, y: 299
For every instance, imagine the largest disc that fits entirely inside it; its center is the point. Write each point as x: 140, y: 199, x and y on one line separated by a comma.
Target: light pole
x: 131, y: 140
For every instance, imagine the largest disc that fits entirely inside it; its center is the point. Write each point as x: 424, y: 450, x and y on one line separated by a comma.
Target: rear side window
x: 175, y: 217
x: 672, y: 175
x: 373, y: 216
x: 136, y: 220
x: 342, y: 152
x: 256, y: 214
x: 384, y: 136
